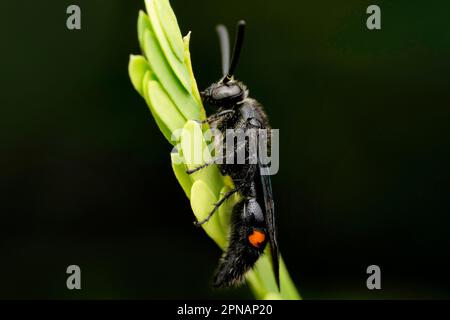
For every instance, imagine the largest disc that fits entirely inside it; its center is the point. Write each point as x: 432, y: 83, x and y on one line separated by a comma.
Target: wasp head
x: 225, y: 94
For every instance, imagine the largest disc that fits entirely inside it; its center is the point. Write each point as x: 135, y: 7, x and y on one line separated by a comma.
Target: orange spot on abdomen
x: 257, y: 238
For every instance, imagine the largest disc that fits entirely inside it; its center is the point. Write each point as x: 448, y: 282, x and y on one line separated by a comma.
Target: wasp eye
x: 226, y: 92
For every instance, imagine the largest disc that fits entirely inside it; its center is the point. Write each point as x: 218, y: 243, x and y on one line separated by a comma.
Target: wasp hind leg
x: 191, y: 171
x: 217, y: 205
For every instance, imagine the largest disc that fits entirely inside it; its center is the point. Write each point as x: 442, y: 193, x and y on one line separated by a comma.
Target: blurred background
x: 85, y: 176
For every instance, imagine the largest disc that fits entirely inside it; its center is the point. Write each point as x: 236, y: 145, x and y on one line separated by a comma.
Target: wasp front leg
x: 206, y: 164
x: 219, y: 116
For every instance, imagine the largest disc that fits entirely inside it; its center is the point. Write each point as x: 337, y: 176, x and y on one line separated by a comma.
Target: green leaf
x: 187, y: 61
x: 202, y: 202
x: 179, y: 169
x: 161, y: 125
x: 182, y: 99
x: 195, y: 152
x: 288, y: 289
x: 164, y: 107
x: 137, y: 67
x: 175, y: 62
x: 170, y: 27
x: 142, y: 25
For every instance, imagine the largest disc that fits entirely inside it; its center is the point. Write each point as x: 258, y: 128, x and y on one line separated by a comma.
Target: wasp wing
x: 269, y: 216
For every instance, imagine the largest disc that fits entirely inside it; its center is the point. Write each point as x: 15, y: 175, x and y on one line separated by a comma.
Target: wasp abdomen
x: 247, y: 242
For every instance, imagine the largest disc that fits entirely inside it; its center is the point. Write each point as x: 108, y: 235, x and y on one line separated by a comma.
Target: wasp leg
x: 208, y: 163
x: 217, y: 116
x: 217, y: 205
x: 202, y: 121
x: 221, y: 114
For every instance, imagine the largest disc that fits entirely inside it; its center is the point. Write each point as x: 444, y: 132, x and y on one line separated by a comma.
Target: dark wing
x: 269, y: 216
x: 266, y: 185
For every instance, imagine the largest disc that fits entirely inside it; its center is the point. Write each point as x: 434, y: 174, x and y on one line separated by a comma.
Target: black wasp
x: 252, y: 220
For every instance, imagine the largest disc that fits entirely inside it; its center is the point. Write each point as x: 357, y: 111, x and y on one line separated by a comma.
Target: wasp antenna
x: 224, y: 47
x: 237, y: 49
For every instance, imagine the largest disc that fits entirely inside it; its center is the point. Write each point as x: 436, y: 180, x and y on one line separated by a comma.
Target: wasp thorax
x: 227, y: 94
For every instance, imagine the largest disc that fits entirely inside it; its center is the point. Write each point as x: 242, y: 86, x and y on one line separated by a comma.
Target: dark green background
x: 364, y: 174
